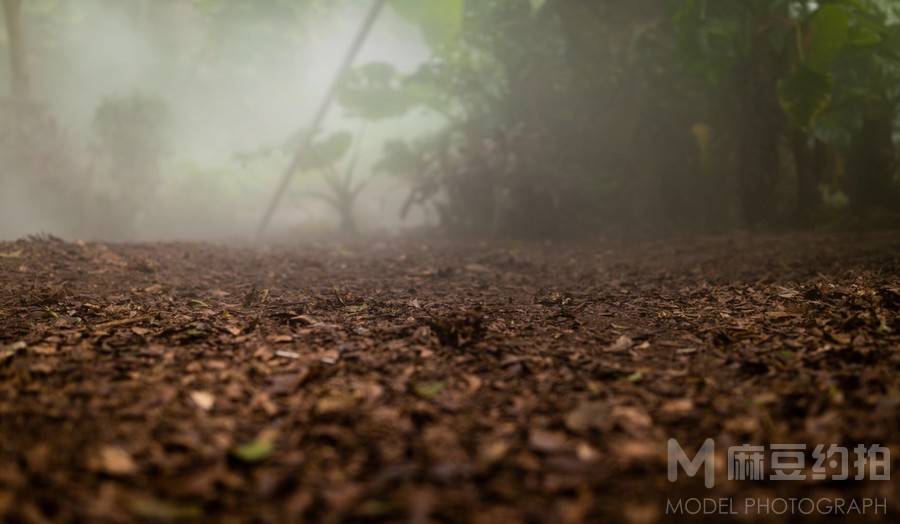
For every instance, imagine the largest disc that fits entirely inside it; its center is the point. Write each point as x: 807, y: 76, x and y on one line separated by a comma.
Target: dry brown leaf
x: 547, y: 441
x: 680, y: 406
x: 116, y: 461
x: 334, y: 404
x: 623, y: 343
x: 203, y: 399
x: 587, y: 416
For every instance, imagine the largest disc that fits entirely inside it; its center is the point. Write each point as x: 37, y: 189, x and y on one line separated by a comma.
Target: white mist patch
x: 229, y: 85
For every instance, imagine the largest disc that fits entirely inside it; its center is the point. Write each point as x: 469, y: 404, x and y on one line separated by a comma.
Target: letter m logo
x: 705, y: 457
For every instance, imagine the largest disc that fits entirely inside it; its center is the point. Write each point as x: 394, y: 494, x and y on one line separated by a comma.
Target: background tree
x: 132, y: 136
x: 762, y: 105
x: 12, y: 10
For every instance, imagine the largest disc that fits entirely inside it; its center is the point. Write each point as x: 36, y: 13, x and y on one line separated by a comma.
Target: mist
x: 539, y: 119
x: 221, y: 87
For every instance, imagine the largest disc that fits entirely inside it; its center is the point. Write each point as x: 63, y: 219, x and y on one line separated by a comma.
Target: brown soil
x: 411, y: 381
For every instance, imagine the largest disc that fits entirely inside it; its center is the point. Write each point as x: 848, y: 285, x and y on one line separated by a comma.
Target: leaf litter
x: 208, y: 383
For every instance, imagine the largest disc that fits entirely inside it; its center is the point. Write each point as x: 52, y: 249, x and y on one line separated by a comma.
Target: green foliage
x: 439, y: 20
x: 254, y: 10
x: 326, y: 152
x: 377, y: 91
x: 710, y: 37
x: 399, y: 158
x: 551, y: 106
x: 805, y: 94
x: 829, y: 30
x: 374, y: 91
x: 850, y: 47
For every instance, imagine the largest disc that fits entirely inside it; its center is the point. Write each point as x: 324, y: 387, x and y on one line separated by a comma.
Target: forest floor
x: 405, y: 380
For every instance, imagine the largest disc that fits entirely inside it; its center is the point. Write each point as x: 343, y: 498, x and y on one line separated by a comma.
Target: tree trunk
x: 806, y: 168
x: 13, y: 14
x: 348, y: 224
x: 757, y: 163
x: 873, y: 162
x: 760, y: 127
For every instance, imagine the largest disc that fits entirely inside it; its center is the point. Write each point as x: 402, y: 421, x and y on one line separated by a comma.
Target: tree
x: 842, y: 94
x: 12, y: 10
x: 132, y: 132
x: 343, y: 188
x: 832, y: 68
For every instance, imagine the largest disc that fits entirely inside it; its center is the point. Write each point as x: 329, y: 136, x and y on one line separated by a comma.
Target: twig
x: 122, y: 322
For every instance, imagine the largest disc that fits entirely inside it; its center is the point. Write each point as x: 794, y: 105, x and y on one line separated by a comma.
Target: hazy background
x: 229, y: 85
x: 160, y: 119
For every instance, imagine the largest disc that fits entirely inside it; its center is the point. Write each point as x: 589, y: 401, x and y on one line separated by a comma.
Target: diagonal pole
x: 321, y: 113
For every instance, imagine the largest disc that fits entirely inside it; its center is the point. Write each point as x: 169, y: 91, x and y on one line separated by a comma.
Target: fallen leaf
x: 788, y: 293
x: 636, y: 450
x: 44, y: 349
x: 333, y: 404
x: 547, y: 441
x: 429, y: 390
x: 493, y: 451
x: 159, y: 510
x: 635, y: 377
x: 623, y: 343
x: 586, y: 453
x: 357, y: 308
x: 203, y: 399
x: 330, y: 357
x: 641, y: 513
x: 587, y: 416
x: 122, y: 322
x: 305, y: 320
x: 285, y: 384
x: 8, y: 352
x: 679, y: 406
x: 116, y: 461
x: 841, y: 338
x: 11, y: 254
x: 256, y: 451
x: 632, y: 418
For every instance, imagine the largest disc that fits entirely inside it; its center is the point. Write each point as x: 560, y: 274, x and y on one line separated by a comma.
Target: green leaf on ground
x: 429, y: 390
x: 256, y: 451
x: 160, y: 510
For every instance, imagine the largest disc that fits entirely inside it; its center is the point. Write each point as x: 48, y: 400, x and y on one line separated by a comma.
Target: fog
x: 223, y: 89
x: 145, y: 120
